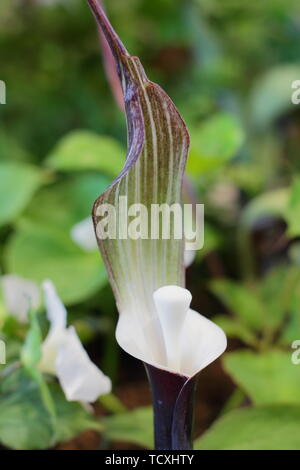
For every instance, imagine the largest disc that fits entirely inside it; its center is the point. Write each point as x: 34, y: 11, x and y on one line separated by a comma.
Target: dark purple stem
x: 173, y: 405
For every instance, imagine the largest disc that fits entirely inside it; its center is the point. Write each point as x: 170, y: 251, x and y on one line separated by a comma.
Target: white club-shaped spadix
x: 175, y: 338
x: 172, y: 304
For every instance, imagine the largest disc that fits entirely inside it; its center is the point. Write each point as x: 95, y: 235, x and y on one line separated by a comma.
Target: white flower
x: 83, y: 234
x: 190, y: 342
x: 20, y: 295
x: 64, y: 356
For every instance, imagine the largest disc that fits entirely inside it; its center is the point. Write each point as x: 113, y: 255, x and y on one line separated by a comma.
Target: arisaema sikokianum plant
x: 156, y: 324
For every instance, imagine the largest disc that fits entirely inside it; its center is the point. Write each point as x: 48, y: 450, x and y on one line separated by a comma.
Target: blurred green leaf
x: 3, y: 310
x: 259, y: 210
x: 247, y: 176
x: 84, y: 150
x: 214, y: 143
x: 294, y: 253
x: 271, y: 95
x: 236, y: 399
x: 269, y: 204
x: 31, y: 350
x: 61, y: 205
x: 262, y: 307
x: 18, y: 182
x: 112, y: 403
x: 293, y: 210
x: 42, y: 248
x: 212, y: 240
x: 242, y: 301
x: 30, y: 356
x: 277, y: 289
x: 262, y: 428
x: 292, y: 326
x: 72, y: 418
x: 24, y: 422
x: 10, y: 150
x: 134, y: 426
x: 291, y: 330
x: 235, y: 329
x: 39, y: 254
x: 268, y: 377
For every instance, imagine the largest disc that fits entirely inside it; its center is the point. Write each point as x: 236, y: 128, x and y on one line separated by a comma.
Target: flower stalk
x: 173, y: 404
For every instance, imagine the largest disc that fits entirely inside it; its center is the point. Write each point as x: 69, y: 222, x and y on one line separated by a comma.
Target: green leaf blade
x: 134, y: 426
x: 18, y: 182
x: 266, y: 378
x: 83, y: 150
x: 261, y: 428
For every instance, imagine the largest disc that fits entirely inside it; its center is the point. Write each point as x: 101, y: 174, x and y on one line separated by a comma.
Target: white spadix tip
x: 172, y: 304
x: 172, y: 299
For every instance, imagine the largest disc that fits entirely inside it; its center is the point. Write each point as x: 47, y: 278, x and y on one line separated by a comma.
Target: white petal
x: 79, y: 377
x: 50, y: 347
x: 20, y: 295
x: 197, y: 340
x: 57, y: 316
x: 83, y: 235
x: 56, y: 311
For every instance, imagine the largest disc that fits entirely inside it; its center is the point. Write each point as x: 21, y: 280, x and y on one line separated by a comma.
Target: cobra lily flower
x: 156, y: 324
x: 64, y: 356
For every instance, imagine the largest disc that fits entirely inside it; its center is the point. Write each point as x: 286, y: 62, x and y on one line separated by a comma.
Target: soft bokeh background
x: 228, y: 66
